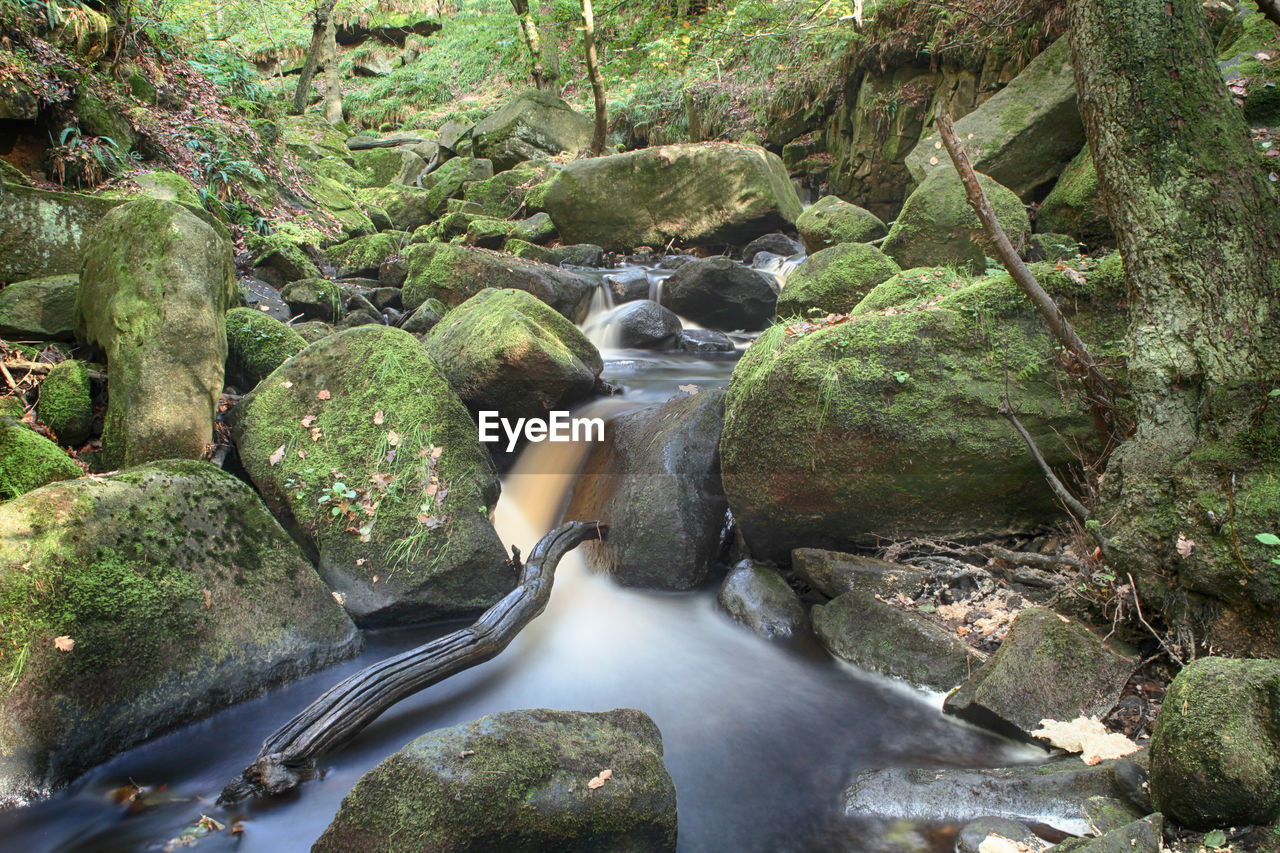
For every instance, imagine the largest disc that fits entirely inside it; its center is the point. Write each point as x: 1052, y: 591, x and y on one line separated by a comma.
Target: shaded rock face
x: 830, y: 220
x: 757, y: 597
x: 411, y: 489
x: 721, y: 294
x: 937, y: 226
x: 28, y: 460
x: 709, y: 194
x: 655, y: 480
x: 200, y: 600
x: 256, y: 345
x: 833, y: 573
x: 536, y: 124
x: 1074, y: 205
x: 886, y: 426
x: 505, y: 351
x: 835, y: 279
x: 155, y: 278
x: 1215, y: 748
x: 859, y: 628
x: 517, y: 780
x: 1024, y: 135
x: 1046, y: 668
x: 40, y: 308
x: 704, y: 340
x: 454, y: 274
x: 65, y: 405
x: 46, y: 233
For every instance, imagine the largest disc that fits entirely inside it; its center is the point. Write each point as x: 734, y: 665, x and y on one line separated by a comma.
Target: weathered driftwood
x: 364, y: 143
x: 288, y: 756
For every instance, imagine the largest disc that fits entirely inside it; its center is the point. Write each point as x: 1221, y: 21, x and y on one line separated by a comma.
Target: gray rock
x: 40, y: 308
x: 833, y: 573
x: 1105, y: 814
x: 758, y: 597
x: 535, y: 229
x: 425, y: 317
x: 721, y: 294
x: 777, y: 244
x: 976, y: 831
x: 46, y: 233
x: 831, y: 220
x: 260, y: 296
x: 535, y: 124
x: 628, y: 285
x: 577, y: 255
x: 647, y: 325
x: 705, y: 341
x: 1141, y: 836
x: 936, y: 225
x: 1135, y: 781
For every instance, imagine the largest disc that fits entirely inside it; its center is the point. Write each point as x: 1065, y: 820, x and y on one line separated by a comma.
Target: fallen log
x: 288, y: 756
x: 364, y: 143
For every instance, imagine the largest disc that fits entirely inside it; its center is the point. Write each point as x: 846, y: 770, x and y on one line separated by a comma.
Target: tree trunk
x: 303, y: 93
x: 532, y: 42
x: 550, y: 49
x: 1197, y: 225
x: 332, y: 81
x: 593, y: 72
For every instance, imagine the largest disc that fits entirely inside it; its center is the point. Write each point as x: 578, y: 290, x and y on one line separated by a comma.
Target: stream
x: 761, y: 738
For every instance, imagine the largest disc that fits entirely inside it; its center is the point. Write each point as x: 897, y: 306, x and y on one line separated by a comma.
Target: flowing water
x: 761, y: 738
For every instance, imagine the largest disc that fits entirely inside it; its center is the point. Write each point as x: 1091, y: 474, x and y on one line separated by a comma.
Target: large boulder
x: 655, y: 480
x: 364, y: 257
x: 381, y: 166
x: 833, y: 574
x: 359, y: 444
x: 721, y: 294
x: 860, y: 628
x: 506, y: 351
x: 256, y: 345
x: 831, y: 220
x: 1047, y: 668
x: 407, y: 208
x: 40, y: 308
x: 65, y: 405
x: 46, y: 233
x: 708, y: 194
x: 1074, y: 205
x: 834, y: 280
x: 644, y: 324
x: 447, y: 181
x: 454, y: 274
x: 535, y: 124
x: 504, y: 194
x: 156, y: 278
x: 141, y: 601
x: 937, y: 226
x: 28, y: 460
x: 1215, y: 748
x: 886, y: 426
x: 517, y: 780
x: 1024, y: 135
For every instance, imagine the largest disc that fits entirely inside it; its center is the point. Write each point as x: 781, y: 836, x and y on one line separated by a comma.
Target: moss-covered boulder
x: 517, y: 780
x: 860, y: 628
x: 46, y: 233
x: 833, y: 573
x: 424, y: 317
x: 155, y: 279
x: 407, y: 208
x: 937, y: 226
x: 506, y: 351
x: 65, y: 405
x: 831, y: 220
x: 256, y: 345
x: 379, y: 167
x: 364, y: 257
x: 913, y: 288
x: 1048, y: 667
x: 283, y: 256
x: 709, y: 194
x: 655, y: 480
x: 834, y: 280
x: 887, y: 425
x: 40, y: 308
x: 454, y: 274
x: 535, y: 124
x: 1074, y: 205
x: 1215, y: 748
x: 28, y: 460
x: 448, y: 180
x: 721, y: 294
x: 359, y: 445
x: 487, y: 232
x: 338, y: 205
x: 312, y: 138
x: 315, y: 299
x: 1245, y: 54
x: 537, y: 229
x: 139, y: 602
x: 504, y: 194
x: 759, y: 598
x: 1024, y: 135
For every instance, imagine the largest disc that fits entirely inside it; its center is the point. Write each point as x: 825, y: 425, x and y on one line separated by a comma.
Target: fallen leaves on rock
x: 274, y: 458
x: 64, y: 644
x: 999, y: 844
x: 599, y: 780
x: 323, y: 394
x: 1087, y: 736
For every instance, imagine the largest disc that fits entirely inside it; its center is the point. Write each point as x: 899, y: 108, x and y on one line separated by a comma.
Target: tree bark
x: 302, y: 94
x: 332, y: 80
x: 593, y: 72
x: 532, y: 39
x: 288, y: 756
x: 1197, y: 226
x: 550, y: 49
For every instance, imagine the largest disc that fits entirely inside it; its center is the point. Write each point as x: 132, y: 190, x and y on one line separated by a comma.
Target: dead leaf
x: 598, y: 781
x: 1086, y: 736
x: 1076, y: 276
x: 264, y: 307
x: 999, y: 844
x: 689, y: 389
x: 309, y: 421
x: 64, y: 644
x: 208, y: 599
x: 1185, y: 546
x: 937, y: 144
x: 377, y: 418
x: 315, y: 433
x: 286, y: 384
x: 323, y: 395
x: 302, y: 454
x: 466, y: 753
x: 393, y: 438
x: 339, y: 597
x: 274, y: 458
x: 360, y: 561
x: 933, y: 161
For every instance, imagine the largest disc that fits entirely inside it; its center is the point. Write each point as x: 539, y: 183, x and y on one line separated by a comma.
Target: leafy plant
x: 84, y: 161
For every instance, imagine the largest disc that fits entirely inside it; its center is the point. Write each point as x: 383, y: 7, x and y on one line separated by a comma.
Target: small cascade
x: 779, y: 267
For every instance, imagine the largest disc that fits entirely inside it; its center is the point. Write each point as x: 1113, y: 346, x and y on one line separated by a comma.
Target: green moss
x: 911, y: 287
x: 488, y: 233
x: 368, y: 252
x: 316, y: 298
x: 834, y: 280
x: 29, y: 460
x: 257, y: 344
x: 1074, y: 206
x: 65, y: 405
x: 407, y: 208
x: 503, y: 195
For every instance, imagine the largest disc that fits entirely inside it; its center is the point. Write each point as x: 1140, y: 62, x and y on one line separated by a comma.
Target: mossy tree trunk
x: 593, y: 72
x: 532, y: 38
x: 1199, y: 230
x: 318, y: 29
x: 332, y: 80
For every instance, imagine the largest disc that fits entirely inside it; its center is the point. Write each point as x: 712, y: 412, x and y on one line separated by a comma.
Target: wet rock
x: 1215, y: 747
x: 776, y: 244
x: 517, y: 780
x: 831, y: 220
x: 28, y: 460
x: 46, y: 233
x: 506, y: 351
x: 535, y: 124
x: 1135, y: 781
x: 40, y: 308
x: 704, y: 340
x: 758, y: 597
x: 878, y: 637
x: 577, y: 255
x: 937, y: 226
x: 384, y: 298
x: 628, y: 285
x: 163, y: 391
x: 833, y: 573
x: 312, y: 443
x: 646, y: 325
x: 1046, y: 668
x: 976, y: 831
x: 425, y: 317
x: 1105, y: 814
x: 65, y: 405
x: 1141, y: 836
x: 256, y: 345
x: 721, y: 294
x: 708, y: 194
x: 1050, y: 793
x: 655, y: 480
x: 1074, y: 205
x: 454, y: 274
x: 182, y: 595
x: 834, y: 280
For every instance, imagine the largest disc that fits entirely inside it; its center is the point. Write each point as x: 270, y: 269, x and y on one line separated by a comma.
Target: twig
x: 1137, y: 605
x: 8, y: 377
x: 1073, y: 506
x: 41, y: 369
